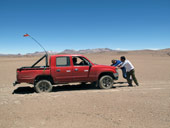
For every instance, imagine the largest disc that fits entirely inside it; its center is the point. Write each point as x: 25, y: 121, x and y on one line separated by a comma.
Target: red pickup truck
x: 64, y: 69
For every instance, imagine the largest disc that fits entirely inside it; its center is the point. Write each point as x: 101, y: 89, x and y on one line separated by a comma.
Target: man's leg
x: 124, y: 73
x: 128, y: 78
x: 134, y: 77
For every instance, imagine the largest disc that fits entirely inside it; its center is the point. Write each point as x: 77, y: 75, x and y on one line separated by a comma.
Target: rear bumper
x: 15, y: 83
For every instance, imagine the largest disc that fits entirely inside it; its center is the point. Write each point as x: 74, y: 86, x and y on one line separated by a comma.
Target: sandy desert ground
x: 76, y: 106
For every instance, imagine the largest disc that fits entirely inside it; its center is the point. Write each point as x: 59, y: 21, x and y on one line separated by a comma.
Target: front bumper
x: 15, y: 83
x: 116, y: 76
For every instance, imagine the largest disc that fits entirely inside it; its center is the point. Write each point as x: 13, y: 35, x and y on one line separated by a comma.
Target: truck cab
x: 64, y: 69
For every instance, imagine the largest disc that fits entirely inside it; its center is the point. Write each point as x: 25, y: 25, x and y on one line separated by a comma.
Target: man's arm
x: 122, y: 65
x: 119, y: 64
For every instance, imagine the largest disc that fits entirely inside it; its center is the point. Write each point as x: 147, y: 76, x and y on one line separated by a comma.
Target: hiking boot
x: 130, y: 85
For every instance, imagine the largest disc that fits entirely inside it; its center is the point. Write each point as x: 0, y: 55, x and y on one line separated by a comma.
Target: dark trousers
x: 129, y: 74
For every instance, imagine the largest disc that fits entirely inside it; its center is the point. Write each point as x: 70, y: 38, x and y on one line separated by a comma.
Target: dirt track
x: 76, y: 106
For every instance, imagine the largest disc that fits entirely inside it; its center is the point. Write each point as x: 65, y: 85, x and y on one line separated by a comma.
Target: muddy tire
x: 43, y: 86
x: 106, y: 82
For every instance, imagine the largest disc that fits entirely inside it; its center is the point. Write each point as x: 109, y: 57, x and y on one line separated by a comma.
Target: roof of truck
x: 66, y: 55
x: 70, y: 55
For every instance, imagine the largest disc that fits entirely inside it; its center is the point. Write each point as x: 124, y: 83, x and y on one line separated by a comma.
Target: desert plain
x: 77, y: 106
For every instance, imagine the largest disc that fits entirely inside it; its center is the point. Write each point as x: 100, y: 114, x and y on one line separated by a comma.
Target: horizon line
x: 117, y: 49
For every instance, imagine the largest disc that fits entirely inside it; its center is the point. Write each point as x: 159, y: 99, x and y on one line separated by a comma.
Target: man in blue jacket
x: 118, y: 63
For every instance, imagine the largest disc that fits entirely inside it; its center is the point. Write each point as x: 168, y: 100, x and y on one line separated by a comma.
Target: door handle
x: 86, y: 70
x: 76, y: 69
x: 58, y: 70
x: 68, y: 70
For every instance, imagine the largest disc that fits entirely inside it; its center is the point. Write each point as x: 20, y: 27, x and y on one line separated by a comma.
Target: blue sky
x: 84, y: 24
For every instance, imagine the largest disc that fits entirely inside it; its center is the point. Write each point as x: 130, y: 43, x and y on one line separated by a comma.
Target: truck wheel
x: 43, y: 86
x: 106, y: 82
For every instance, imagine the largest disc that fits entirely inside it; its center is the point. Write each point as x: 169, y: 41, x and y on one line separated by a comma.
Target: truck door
x: 81, y: 69
x: 62, y: 72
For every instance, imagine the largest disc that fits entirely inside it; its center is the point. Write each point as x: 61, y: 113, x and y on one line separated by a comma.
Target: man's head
x: 74, y: 60
x: 122, y: 58
x: 113, y: 61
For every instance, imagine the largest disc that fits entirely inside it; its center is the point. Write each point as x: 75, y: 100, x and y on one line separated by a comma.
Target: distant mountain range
x: 67, y: 51
x: 97, y: 50
x: 86, y: 51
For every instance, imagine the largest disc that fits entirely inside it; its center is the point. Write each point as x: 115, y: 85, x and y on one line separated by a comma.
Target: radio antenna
x: 28, y: 35
x: 35, y: 41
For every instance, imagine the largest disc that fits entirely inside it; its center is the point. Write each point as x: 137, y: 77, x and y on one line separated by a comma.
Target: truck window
x: 62, y: 61
x: 80, y: 61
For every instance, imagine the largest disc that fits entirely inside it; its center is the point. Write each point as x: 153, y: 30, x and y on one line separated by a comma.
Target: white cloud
x: 153, y: 48
x: 119, y: 49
